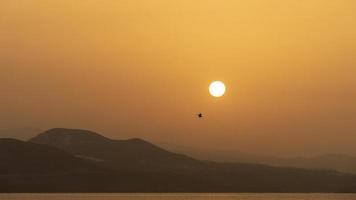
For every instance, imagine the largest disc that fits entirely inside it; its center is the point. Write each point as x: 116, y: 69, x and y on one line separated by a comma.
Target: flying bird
x: 200, y: 115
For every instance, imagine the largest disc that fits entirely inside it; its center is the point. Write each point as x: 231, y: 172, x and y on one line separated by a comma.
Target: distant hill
x: 339, y: 162
x: 66, y: 160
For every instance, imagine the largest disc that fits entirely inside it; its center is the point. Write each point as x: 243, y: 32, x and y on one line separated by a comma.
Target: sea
x: 113, y: 196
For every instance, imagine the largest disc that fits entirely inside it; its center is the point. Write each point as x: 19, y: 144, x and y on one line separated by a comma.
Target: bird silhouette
x: 200, y: 115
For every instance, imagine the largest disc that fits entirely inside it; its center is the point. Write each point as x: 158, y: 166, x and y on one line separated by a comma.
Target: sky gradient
x: 131, y: 68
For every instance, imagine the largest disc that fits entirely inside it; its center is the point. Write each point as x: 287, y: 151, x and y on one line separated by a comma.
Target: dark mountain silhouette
x: 29, y: 167
x: 117, y: 154
x: 83, y: 161
x: 25, y: 157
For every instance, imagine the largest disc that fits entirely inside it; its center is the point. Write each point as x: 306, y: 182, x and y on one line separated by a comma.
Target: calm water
x: 177, y: 196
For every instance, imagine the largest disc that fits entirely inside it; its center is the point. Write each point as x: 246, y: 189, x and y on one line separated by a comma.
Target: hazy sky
x: 130, y: 68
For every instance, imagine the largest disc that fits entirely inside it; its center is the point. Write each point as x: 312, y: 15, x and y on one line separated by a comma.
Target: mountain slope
x: 25, y: 157
x: 29, y: 167
x: 117, y: 154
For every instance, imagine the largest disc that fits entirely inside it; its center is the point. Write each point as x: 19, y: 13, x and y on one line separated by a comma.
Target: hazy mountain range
x: 334, y: 161
x: 65, y: 160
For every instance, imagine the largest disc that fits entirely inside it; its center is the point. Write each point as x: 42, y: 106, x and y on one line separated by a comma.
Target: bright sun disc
x: 217, y: 88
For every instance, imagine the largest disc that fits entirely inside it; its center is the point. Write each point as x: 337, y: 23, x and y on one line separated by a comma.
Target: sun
x: 217, y: 88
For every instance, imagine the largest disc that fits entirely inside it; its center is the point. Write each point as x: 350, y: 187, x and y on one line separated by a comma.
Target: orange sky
x: 131, y: 68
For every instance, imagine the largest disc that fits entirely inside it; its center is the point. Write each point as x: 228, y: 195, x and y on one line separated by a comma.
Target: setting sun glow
x: 217, y: 89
